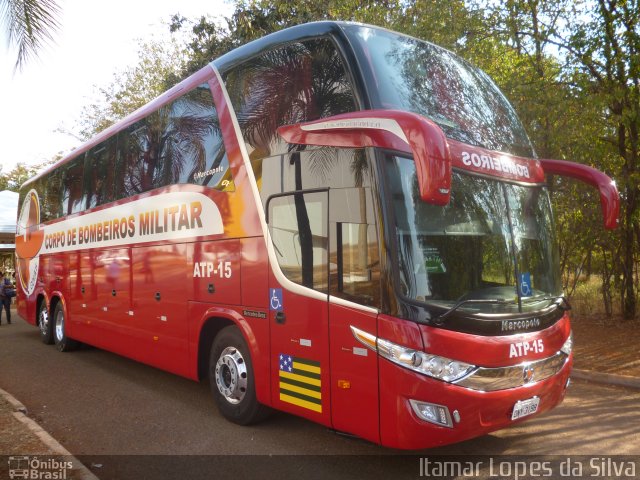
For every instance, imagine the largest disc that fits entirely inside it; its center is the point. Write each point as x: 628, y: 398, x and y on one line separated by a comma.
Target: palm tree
x: 29, y: 25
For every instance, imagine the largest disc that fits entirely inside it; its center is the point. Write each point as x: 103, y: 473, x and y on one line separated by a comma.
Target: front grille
x: 502, y: 378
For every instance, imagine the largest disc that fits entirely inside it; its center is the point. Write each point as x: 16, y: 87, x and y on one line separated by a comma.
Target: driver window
x: 353, y: 258
x: 299, y: 232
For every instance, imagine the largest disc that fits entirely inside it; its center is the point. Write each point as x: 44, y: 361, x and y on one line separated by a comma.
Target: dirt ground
x: 19, y: 442
x: 606, y: 345
x: 16, y: 439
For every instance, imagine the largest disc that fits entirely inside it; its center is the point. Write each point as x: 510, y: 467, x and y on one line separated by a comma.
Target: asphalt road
x: 105, y: 408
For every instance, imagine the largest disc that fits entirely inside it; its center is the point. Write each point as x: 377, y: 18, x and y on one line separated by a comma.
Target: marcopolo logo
x: 29, y: 240
x: 38, y: 468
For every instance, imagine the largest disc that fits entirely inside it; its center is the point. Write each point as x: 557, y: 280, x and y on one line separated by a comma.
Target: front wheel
x: 62, y: 341
x: 232, y: 380
x: 44, y: 322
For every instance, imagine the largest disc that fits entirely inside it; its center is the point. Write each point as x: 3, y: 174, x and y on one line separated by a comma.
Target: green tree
x: 29, y: 25
x: 14, y: 179
x: 254, y: 19
x: 158, y: 68
x: 595, y: 97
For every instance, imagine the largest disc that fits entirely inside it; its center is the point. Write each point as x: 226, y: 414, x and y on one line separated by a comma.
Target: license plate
x: 524, y: 408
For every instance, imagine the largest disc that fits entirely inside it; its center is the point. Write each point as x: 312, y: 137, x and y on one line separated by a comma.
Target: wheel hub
x: 231, y: 375
x: 44, y: 321
x: 60, y: 326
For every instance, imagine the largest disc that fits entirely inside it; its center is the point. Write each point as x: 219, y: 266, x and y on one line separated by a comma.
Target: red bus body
x: 157, y: 275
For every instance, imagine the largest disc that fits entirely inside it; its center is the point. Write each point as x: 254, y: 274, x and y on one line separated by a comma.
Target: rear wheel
x: 63, y: 342
x: 232, y: 380
x: 44, y: 322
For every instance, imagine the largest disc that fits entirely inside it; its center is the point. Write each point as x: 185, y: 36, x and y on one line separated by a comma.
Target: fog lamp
x: 432, y: 413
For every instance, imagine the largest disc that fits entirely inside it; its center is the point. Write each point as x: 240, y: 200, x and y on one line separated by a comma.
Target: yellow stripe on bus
x: 301, y: 378
x: 303, y: 391
x: 305, y: 367
x: 301, y: 403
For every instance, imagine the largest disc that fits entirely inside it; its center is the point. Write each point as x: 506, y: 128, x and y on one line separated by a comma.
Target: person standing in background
x: 5, y: 299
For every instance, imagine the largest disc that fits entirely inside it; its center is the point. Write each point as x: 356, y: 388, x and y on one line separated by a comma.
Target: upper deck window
x: 179, y: 143
x: 297, y: 82
x: 416, y: 76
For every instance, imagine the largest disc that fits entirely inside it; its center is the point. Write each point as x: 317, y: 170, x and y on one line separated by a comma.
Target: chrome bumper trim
x: 502, y: 378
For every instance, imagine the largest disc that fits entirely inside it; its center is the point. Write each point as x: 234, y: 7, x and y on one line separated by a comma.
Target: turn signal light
x: 345, y: 384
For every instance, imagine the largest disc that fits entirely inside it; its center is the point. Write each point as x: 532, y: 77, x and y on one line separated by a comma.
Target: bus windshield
x: 416, y: 76
x: 492, y: 240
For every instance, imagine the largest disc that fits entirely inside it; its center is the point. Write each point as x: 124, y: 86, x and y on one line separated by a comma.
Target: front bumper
x: 479, y: 412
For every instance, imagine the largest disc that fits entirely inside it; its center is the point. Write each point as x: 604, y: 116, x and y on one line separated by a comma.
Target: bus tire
x: 45, y: 324
x: 62, y: 341
x: 231, y: 378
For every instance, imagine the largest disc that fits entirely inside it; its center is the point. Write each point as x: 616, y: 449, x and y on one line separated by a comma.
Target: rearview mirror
x: 392, y: 129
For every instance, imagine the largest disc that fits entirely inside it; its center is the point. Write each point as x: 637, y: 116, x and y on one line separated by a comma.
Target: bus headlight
x: 568, y: 345
x: 435, y: 366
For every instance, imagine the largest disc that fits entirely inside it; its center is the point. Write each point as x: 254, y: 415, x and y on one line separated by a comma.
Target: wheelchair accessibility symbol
x: 525, y: 285
x: 275, y: 299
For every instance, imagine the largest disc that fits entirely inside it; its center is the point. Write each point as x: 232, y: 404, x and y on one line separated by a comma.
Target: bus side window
x: 354, y: 267
x: 99, y: 174
x: 52, y: 188
x: 71, y: 195
x: 354, y: 257
x: 192, y: 146
x: 179, y: 143
x: 137, y: 168
x: 299, y: 230
x: 40, y: 187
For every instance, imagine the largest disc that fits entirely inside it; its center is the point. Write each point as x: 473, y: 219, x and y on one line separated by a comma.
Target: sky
x: 96, y: 40
x: 8, y: 209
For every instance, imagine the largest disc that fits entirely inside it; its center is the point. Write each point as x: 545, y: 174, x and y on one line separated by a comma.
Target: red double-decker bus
x: 336, y: 221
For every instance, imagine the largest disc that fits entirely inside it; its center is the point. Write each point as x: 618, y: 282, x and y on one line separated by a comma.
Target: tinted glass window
x: 71, y: 196
x: 298, y: 226
x: 139, y: 168
x: 51, y: 185
x: 299, y: 82
x: 191, y: 145
x: 416, y: 76
x: 99, y: 174
x: 180, y: 143
x: 354, y: 269
x: 493, y: 241
x: 38, y: 186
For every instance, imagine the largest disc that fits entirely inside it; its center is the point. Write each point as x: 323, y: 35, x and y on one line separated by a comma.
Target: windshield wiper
x: 563, y: 303
x: 439, y: 320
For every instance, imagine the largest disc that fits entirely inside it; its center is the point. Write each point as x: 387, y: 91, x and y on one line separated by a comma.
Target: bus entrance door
x: 298, y: 305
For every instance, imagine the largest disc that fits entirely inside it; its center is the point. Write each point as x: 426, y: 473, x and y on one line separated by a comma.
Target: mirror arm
x: 391, y: 129
x: 609, y: 196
